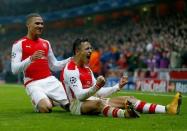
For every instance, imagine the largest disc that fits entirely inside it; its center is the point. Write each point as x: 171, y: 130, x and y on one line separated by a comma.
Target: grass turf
x: 16, y: 114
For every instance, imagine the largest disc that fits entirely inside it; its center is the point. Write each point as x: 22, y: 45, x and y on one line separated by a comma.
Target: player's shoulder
x: 71, y: 65
x: 19, y: 41
x: 44, y: 40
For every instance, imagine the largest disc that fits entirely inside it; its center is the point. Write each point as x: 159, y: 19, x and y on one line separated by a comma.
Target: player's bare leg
x: 44, y: 106
x: 120, y: 101
x: 93, y: 107
x: 63, y: 103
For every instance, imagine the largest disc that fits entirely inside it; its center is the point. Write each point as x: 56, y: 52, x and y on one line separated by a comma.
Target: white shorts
x: 75, y: 105
x: 49, y: 87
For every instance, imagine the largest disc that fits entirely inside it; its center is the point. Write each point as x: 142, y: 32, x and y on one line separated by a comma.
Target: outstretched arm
x: 107, y: 91
x: 54, y: 64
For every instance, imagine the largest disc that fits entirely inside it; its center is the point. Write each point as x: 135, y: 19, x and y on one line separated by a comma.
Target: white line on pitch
x: 151, y: 94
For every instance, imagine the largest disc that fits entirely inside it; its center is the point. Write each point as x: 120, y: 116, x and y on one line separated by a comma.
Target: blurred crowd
x: 150, y: 43
x: 146, y: 43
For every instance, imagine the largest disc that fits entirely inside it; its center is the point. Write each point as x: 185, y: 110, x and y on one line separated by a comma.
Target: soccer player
x: 87, y: 96
x: 34, y: 57
x: 80, y: 86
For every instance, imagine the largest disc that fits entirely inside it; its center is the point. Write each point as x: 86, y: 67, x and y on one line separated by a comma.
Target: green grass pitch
x: 16, y: 114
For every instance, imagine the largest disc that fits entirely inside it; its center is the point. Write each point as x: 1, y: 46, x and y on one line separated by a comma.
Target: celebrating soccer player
x: 80, y: 86
x: 34, y: 57
x: 87, y: 96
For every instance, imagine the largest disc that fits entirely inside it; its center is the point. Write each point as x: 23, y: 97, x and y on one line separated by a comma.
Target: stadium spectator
x: 8, y: 76
x: 1, y: 65
x: 184, y: 58
x: 175, y: 59
x: 87, y: 96
x: 164, y: 61
x: 95, y: 63
x: 34, y: 57
x: 1, y: 70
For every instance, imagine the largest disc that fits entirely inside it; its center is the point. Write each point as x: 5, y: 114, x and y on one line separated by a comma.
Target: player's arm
x: 73, y: 80
x: 56, y: 65
x: 16, y: 64
x: 107, y: 91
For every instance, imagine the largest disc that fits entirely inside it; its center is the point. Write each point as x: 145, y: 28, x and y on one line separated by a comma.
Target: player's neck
x: 32, y: 37
x: 79, y: 62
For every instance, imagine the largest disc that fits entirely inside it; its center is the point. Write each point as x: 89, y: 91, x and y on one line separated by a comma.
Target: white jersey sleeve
x: 53, y: 63
x: 106, y: 91
x: 16, y: 64
x: 73, y: 81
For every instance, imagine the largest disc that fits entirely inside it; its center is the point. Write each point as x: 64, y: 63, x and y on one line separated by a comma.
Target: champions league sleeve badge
x: 13, y: 55
x: 73, y: 80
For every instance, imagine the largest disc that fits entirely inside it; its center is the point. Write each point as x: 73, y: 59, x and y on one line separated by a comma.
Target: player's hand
x: 100, y: 82
x: 37, y: 55
x: 123, y: 81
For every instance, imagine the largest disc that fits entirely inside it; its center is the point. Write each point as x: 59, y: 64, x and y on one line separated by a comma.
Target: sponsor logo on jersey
x: 28, y: 46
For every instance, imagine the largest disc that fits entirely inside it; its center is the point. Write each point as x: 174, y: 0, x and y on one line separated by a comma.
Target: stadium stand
x: 146, y: 40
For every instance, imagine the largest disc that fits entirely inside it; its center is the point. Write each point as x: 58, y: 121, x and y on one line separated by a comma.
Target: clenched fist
x: 100, y: 82
x: 123, y: 81
x: 37, y: 55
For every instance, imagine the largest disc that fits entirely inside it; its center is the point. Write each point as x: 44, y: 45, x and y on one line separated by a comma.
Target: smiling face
x: 35, y: 27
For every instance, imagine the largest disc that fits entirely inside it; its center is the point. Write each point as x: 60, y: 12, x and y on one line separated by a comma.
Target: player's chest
x: 85, y: 77
x: 30, y: 47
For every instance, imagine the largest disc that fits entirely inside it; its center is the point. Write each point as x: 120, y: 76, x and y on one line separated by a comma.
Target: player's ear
x: 27, y: 24
x: 76, y: 52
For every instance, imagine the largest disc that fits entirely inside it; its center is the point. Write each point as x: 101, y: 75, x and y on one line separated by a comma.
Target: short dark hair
x: 31, y: 15
x: 77, y: 44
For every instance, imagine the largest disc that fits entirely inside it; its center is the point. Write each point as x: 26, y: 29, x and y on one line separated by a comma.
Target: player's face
x: 35, y: 26
x: 86, y: 51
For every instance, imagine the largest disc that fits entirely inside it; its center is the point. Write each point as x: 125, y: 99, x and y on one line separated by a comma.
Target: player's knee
x: 44, y: 108
x: 132, y: 97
